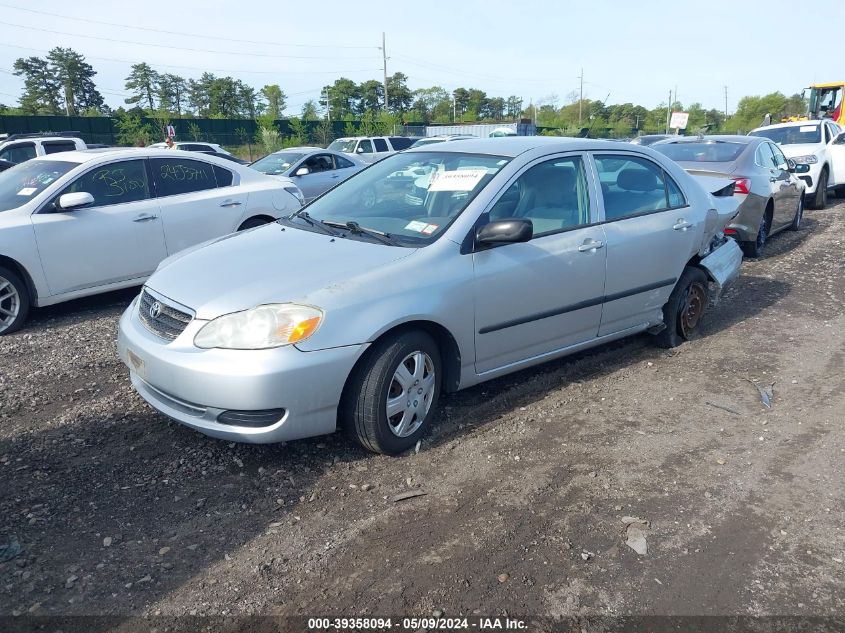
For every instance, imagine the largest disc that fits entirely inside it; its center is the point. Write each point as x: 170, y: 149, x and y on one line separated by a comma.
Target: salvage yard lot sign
x: 679, y: 120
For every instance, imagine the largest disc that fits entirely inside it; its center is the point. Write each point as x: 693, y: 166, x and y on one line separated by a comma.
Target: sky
x: 629, y: 51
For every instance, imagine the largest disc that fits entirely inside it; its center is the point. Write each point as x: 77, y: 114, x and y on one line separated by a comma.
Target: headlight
x: 263, y: 327
x: 806, y: 160
x: 297, y: 193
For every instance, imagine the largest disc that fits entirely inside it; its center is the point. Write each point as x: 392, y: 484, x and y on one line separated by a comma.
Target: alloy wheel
x: 410, y: 394
x: 10, y: 304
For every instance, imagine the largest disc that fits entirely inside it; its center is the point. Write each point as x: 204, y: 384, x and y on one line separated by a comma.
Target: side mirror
x: 505, y: 231
x: 302, y: 171
x: 360, y: 150
x: 839, y: 140
x: 71, y: 201
x: 801, y: 168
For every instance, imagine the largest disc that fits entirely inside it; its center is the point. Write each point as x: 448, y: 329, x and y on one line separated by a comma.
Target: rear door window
x: 779, y: 158
x: 633, y: 186
x: 54, y: 147
x: 175, y: 176
x: 381, y: 144
x: 113, y: 183
x: 401, y: 142
x: 223, y: 176
x: 342, y: 163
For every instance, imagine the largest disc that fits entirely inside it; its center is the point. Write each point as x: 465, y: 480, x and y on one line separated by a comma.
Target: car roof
x: 724, y: 138
x: 788, y: 124
x: 512, y: 146
x: 304, y: 148
x: 90, y: 155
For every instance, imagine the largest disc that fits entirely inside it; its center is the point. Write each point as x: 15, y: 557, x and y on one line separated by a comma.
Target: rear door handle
x: 590, y: 246
x: 681, y: 225
x: 144, y: 217
x: 231, y: 203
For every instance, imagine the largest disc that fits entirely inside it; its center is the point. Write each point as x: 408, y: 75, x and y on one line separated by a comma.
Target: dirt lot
x: 527, y: 479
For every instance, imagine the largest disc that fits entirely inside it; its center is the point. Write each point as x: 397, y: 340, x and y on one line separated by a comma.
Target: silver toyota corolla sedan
x: 771, y: 195
x: 313, y: 169
x: 358, y: 315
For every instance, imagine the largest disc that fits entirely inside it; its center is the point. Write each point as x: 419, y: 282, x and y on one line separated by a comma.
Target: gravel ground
x: 537, y: 485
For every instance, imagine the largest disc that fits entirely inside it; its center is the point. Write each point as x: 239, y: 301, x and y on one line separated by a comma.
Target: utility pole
x: 669, y: 112
x: 328, y: 106
x: 384, y: 59
x: 581, y: 100
x: 726, y: 102
x: 454, y: 109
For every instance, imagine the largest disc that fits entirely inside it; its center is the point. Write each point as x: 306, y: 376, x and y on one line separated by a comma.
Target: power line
x: 216, y: 70
x: 177, y: 48
x: 180, y: 33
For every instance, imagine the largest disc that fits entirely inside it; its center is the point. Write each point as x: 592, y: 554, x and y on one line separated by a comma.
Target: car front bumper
x: 196, y: 386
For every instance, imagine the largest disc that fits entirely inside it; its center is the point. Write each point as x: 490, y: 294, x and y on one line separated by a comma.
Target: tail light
x: 743, y: 185
x: 730, y: 231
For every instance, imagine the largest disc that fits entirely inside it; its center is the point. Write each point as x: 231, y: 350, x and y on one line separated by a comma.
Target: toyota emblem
x: 155, y: 310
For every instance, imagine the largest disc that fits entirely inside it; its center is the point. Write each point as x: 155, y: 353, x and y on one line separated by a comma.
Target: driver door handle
x: 231, y: 203
x: 681, y: 225
x: 590, y: 246
x: 145, y: 217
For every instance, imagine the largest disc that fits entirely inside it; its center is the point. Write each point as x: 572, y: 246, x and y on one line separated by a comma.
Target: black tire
x: 682, y: 313
x: 252, y: 223
x: 755, y: 248
x: 820, y: 198
x: 799, y: 215
x: 14, y: 298
x: 363, y: 407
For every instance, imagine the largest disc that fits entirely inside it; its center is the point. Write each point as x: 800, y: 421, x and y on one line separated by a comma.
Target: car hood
x: 269, y: 264
x: 801, y: 149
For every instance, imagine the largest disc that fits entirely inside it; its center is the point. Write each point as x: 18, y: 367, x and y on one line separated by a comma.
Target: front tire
x: 820, y: 198
x: 14, y: 301
x: 392, y: 395
x: 682, y: 313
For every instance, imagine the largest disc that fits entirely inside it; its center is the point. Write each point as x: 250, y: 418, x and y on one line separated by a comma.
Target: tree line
x: 62, y: 82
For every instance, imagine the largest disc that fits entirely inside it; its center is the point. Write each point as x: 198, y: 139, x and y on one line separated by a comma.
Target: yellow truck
x: 825, y: 102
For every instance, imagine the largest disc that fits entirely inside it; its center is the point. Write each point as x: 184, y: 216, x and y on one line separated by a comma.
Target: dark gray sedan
x: 772, y: 196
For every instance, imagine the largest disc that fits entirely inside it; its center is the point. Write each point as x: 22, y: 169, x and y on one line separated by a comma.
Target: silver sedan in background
x: 313, y: 169
x: 358, y: 315
x: 772, y: 196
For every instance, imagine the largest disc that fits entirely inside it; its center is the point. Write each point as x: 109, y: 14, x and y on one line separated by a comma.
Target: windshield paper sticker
x: 460, y: 180
x: 809, y: 128
x: 27, y: 191
x: 421, y: 227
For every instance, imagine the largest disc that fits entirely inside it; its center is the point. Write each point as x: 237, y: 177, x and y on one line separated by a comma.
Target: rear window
x: 401, y: 142
x: 54, y: 147
x: 704, y: 152
x: 792, y: 135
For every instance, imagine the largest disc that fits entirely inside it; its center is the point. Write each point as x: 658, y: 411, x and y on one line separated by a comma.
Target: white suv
x: 22, y: 147
x: 371, y: 148
x: 819, y: 144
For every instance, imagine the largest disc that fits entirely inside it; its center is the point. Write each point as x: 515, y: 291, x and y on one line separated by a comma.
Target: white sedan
x: 84, y: 222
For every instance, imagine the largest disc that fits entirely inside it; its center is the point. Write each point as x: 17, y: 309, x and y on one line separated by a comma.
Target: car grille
x: 168, y: 323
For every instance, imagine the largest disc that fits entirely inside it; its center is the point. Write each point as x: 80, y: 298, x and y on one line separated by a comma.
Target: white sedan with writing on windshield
x: 84, y: 222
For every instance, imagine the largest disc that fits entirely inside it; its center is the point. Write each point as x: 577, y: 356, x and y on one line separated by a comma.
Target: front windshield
x: 701, y: 152
x: 412, y: 196
x: 21, y: 183
x: 343, y: 145
x: 792, y: 135
x: 276, y: 164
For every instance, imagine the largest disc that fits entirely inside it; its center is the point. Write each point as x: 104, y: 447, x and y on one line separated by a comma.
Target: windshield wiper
x: 324, y: 226
x: 354, y: 227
